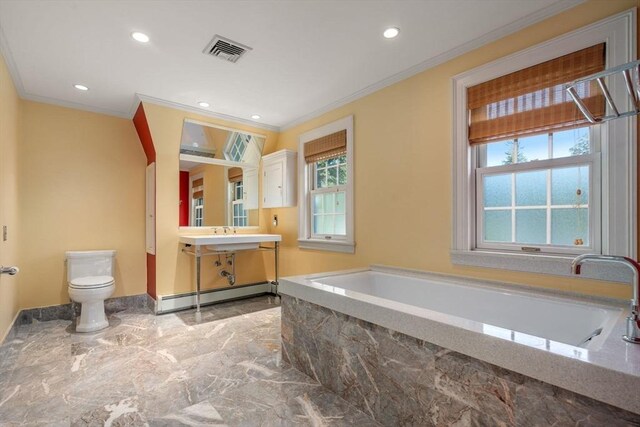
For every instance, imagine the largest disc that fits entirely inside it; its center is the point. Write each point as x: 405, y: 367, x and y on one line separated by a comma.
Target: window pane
x: 342, y: 175
x: 340, y: 202
x: 571, y: 142
x: 533, y: 148
x: 497, y: 226
x: 321, y: 178
x: 566, y: 183
x: 318, y: 224
x: 328, y: 224
x: 318, y: 206
x: 329, y: 203
x: 568, y: 226
x: 341, y: 225
x: 332, y: 176
x: 497, y: 190
x: 531, y: 226
x: 332, y: 161
x: 531, y: 188
x: 499, y: 153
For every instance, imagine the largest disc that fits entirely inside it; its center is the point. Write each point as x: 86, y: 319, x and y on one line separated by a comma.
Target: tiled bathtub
x: 407, y: 364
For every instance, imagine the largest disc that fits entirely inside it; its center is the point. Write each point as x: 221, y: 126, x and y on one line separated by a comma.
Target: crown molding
x: 416, y: 69
x: 487, y: 38
x: 189, y: 109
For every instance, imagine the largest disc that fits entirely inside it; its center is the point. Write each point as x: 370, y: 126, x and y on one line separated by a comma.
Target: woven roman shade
x: 533, y: 100
x: 235, y: 174
x: 197, y: 188
x: 326, y: 147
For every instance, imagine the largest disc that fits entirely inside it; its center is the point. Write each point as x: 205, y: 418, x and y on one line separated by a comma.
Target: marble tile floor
x: 165, y: 370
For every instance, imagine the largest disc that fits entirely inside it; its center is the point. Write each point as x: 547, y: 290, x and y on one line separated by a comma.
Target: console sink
x: 229, y: 242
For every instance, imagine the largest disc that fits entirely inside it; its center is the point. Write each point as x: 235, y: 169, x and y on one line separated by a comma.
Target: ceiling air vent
x: 224, y: 48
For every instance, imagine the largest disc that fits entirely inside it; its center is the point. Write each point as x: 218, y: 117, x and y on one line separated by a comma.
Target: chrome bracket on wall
x: 628, y: 72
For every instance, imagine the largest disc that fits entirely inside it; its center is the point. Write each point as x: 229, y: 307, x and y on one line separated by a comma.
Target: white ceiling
x: 308, y: 56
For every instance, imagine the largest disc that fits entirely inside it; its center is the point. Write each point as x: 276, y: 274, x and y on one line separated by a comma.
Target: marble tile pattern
x: 71, y: 310
x: 166, y: 370
x: 403, y: 381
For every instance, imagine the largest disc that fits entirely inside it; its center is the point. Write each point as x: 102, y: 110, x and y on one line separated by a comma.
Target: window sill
x: 325, y: 245
x: 556, y: 265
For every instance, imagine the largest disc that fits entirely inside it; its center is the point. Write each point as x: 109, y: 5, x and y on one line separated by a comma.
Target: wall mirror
x: 218, y: 176
x: 202, y: 142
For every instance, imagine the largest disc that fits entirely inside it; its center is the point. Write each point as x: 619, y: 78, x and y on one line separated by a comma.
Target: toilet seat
x: 91, y: 282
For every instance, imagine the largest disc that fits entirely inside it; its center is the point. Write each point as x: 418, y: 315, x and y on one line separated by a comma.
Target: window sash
x: 312, y: 214
x: 593, y: 204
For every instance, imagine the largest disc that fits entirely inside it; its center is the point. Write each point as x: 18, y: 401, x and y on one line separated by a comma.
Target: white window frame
x: 235, y: 201
x: 315, y: 190
x: 192, y: 213
x: 306, y: 240
x: 618, y: 157
x: 594, y: 202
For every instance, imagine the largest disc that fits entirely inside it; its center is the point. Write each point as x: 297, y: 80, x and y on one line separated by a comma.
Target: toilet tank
x: 89, y: 263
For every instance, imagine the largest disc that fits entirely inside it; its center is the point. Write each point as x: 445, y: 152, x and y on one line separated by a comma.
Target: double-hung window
x: 534, y: 183
x: 328, y: 198
x: 197, y: 200
x: 238, y: 215
x: 326, y: 187
x: 540, y: 193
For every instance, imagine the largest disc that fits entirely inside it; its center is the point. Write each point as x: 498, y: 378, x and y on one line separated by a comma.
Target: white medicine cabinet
x: 279, y: 179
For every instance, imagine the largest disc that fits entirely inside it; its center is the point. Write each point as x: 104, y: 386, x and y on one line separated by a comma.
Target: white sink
x: 229, y: 242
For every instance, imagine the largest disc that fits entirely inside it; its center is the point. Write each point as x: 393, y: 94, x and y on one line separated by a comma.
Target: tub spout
x: 633, y: 320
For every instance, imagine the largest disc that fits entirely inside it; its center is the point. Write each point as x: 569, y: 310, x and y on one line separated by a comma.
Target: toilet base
x: 92, y: 317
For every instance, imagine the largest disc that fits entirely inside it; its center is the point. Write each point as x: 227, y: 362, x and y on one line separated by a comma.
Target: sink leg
x: 198, y: 314
x: 277, y: 262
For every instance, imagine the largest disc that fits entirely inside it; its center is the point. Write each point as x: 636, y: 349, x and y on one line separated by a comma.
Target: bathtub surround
x: 164, y: 371
x: 604, y: 369
x: 401, y: 380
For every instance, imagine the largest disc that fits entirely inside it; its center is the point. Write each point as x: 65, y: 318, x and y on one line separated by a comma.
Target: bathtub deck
x: 164, y: 370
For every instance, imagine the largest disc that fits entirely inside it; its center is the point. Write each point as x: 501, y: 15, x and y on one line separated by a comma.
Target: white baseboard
x: 169, y: 303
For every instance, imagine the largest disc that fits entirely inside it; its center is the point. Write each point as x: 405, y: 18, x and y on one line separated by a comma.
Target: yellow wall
x: 174, y: 273
x: 82, y: 187
x: 403, y: 197
x: 9, y: 125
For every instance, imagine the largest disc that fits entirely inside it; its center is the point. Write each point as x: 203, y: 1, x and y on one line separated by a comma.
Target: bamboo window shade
x: 533, y: 100
x: 326, y: 147
x: 197, y: 186
x: 235, y: 174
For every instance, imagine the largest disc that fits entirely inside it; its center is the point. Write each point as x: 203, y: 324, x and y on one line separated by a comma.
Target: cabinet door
x: 250, y: 184
x: 272, y: 185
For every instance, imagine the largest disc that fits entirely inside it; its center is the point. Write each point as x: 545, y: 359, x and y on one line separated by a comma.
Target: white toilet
x: 90, y: 277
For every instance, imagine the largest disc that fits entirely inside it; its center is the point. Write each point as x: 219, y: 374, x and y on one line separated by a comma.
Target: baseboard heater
x: 171, y: 303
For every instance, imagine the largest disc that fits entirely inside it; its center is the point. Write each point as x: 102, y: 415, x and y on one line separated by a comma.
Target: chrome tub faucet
x: 633, y: 320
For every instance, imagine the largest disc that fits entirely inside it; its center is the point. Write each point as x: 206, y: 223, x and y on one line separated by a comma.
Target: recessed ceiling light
x: 256, y: 116
x: 81, y: 87
x: 391, y: 32
x: 203, y: 104
x: 140, y: 37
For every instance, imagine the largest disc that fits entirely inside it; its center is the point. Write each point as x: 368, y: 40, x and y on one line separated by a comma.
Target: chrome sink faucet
x: 633, y: 320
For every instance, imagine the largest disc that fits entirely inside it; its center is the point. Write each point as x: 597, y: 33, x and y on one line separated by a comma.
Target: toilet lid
x: 90, y: 282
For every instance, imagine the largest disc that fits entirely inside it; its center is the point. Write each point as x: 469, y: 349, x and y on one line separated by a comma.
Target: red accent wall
x: 184, y: 198
x: 151, y: 275
x: 144, y: 133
